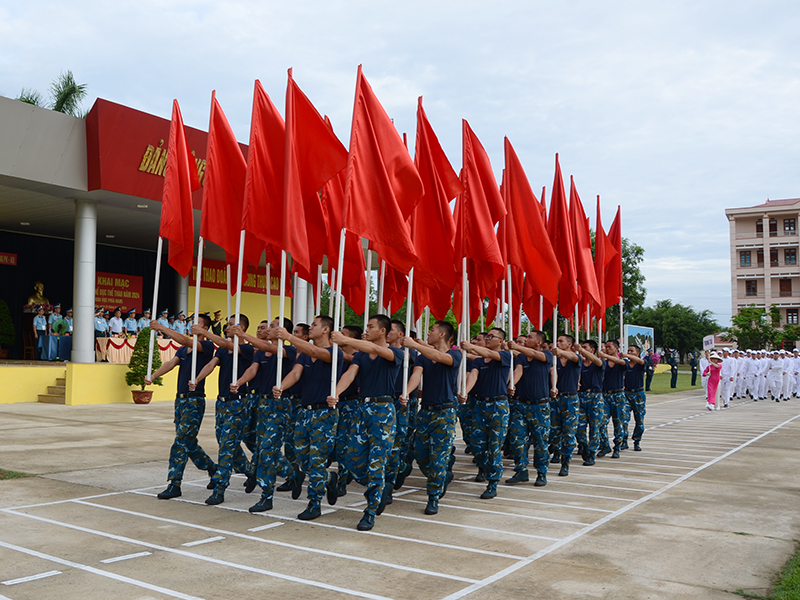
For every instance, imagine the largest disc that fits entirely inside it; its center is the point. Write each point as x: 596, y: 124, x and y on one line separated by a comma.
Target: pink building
x: 764, y: 248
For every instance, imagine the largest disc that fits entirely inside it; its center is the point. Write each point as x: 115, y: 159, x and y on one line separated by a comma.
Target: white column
x: 84, y: 281
x: 300, y: 302
x: 310, y: 303
x: 181, y: 295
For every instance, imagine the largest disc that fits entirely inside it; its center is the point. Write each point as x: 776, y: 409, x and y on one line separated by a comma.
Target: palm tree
x: 65, y: 94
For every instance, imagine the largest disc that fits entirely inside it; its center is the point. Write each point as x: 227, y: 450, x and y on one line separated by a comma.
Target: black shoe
x: 385, y: 499
x: 262, y: 505
x: 366, y: 523
x: 564, y: 470
x: 541, y: 480
x: 603, y: 452
x: 310, y: 513
x: 615, y: 454
x: 624, y: 445
x: 451, y: 461
x: 555, y: 459
x: 433, y: 506
x: 173, y: 491
x: 332, y: 488
x: 341, y: 488
x: 250, y: 483
x: 519, y: 477
x: 481, y: 476
x: 474, y: 460
x: 589, y: 461
x: 490, y: 491
x: 448, y: 477
x: 297, y: 489
x: 401, y: 476
x: 636, y: 447
x: 212, y: 470
x: 215, y: 498
x: 286, y: 486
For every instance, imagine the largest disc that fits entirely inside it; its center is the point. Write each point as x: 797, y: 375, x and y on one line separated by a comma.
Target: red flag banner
x: 560, y: 232
x: 583, y: 246
x: 180, y: 180
x: 613, y: 279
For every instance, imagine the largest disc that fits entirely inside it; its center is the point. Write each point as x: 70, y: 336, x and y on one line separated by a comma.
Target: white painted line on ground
x: 184, y: 553
x: 564, y: 541
x: 495, y: 512
x: 551, y: 504
x: 619, y: 464
x: 205, y: 541
x: 30, y: 578
x: 65, y: 501
x: 394, y: 495
x: 483, y: 485
x: 272, y: 542
x: 93, y: 570
x: 263, y: 527
x: 649, y: 452
x: 350, y: 529
x: 624, y: 477
x: 126, y: 557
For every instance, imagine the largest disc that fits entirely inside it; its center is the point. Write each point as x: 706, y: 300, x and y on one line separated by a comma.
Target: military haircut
x: 400, y: 325
x: 615, y: 342
x: 501, y: 331
x: 449, y: 331
x: 384, y: 322
x: 637, y: 347
x: 326, y: 321
x: 569, y: 337
x: 205, y: 319
x: 243, y: 321
x: 353, y: 331
x: 592, y: 344
x: 540, y: 334
x: 304, y: 328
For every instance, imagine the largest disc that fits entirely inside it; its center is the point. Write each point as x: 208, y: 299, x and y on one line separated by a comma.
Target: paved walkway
x: 710, y: 505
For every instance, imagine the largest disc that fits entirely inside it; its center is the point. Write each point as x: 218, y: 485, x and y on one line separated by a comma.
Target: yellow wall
x: 24, y: 383
x: 253, y: 305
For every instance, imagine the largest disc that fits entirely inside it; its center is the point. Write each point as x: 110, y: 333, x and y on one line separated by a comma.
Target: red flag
x: 313, y: 156
x: 263, y: 191
x: 395, y: 286
x: 603, y: 254
x: 583, y: 245
x: 180, y: 180
x: 383, y: 186
x: 432, y: 224
x: 613, y: 278
x: 478, y: 209
x: 560, y: 232
x: 529, y: 247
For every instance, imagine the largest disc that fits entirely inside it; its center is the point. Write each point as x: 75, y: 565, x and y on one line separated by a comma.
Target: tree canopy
x: 65, y: 96
x: 676, y: 326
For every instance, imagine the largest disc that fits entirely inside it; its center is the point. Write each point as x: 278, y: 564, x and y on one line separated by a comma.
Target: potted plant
x: 8, y: 335
x: 137, y: 367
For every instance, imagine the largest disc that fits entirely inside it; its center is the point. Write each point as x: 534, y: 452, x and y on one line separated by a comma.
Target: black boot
x: 556, y: 458
x: 218, y: 497
x: 173, y: 491
x: 433, y: 506
x: 311, y: 512
x: 564, y: 468
x: 541, y: 480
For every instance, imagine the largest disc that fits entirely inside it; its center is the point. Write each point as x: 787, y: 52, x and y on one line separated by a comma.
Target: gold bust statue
x: 38, y: 297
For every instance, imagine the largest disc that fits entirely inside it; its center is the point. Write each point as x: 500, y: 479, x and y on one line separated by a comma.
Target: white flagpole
x: 541, y: 312
x: 369, y: 287
x: 281, y: 313
x: 332, y: 301
x: 339, y: 298
x: 510, y: 327
x: 155, y: 302
x: 501, y: 312
x: 623, y: 343
x: 318, y: 299
x: 576, y: 322
x: 599, y: 331
x: 555, y: 323
x: 239, y: 279
x: 228, y: 287
x: 198, y: 280
x: 409, y: 315
x: 269, y: 292
x: 427, y: 322
x: 381, y: 309
x: 465, y: 325
x: 481, y: 305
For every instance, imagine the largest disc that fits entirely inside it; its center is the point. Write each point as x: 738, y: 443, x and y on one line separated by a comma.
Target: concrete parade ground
x: 711, y: 505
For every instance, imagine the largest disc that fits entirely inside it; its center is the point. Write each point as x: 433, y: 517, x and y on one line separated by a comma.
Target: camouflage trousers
x: 314, y: 440
x: 530, y: 424
x: 413, y: 415
x: 291, y: 410
x: 433, y: 440
x: 491, y: 426
x: 188, y: 418
x: 565, y: 419
x: 616, y: 404
x: 466, y: 418
x: 590, y: 415
x: 368, y: 450
x: 626, y: 417
x: 270, y: 428
x: 636, y: 402
x: 349, y: 416
x: 249, y: 422
x: 396, y: 458
x: 230, y: 415
x: 555, y: 428
x: 605, y: 415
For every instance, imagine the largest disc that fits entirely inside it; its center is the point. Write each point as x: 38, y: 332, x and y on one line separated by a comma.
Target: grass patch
x: 660, y: 383
x: 12, y: 474
x: 787, y: 585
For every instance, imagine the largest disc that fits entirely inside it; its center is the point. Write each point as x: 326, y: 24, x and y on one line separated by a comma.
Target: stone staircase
x: 56, y: 394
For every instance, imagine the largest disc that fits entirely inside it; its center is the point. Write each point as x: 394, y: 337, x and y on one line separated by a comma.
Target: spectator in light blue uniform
x: 68, y: 319
x: 180, y: 324
x: 39, y: 323
x: 130, y: 323
x: 54, y: 316
x: 144, y: 321
x: 163, y: 320
x: 100, y: 324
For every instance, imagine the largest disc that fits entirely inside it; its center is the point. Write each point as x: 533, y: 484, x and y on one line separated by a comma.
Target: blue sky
x: 673, y: 111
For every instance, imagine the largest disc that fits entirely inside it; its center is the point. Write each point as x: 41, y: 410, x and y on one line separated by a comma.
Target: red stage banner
x: 113, y: 290
x: 215, y: 276
x: 8, y: 259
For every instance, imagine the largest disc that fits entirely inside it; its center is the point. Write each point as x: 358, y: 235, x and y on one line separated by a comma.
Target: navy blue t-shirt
x: 352, y: 390
x: 316, y: 377
x: 225, y: 358
x: 591, y: 377
x: 185, y: 366
x: 535, y: 381
x: 613, y: 376
x: 634, y: 376
x: 398, y: 384
x: 378, y: 376
x: 264, y: 380
x: 441, y: 380
x: 492, y: 375
x: 568, y: 375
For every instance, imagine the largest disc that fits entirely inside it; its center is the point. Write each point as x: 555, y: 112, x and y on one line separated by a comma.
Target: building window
x: 788, y: 227
x: 760, y: 257
x: 751, y: 287
x: 759, y: 228
x: 786, y: 287
x: 773, y: 257
x: 744, y: 258
x: 773, y: 227
x: 790, y: 256
x: 791, y: 316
